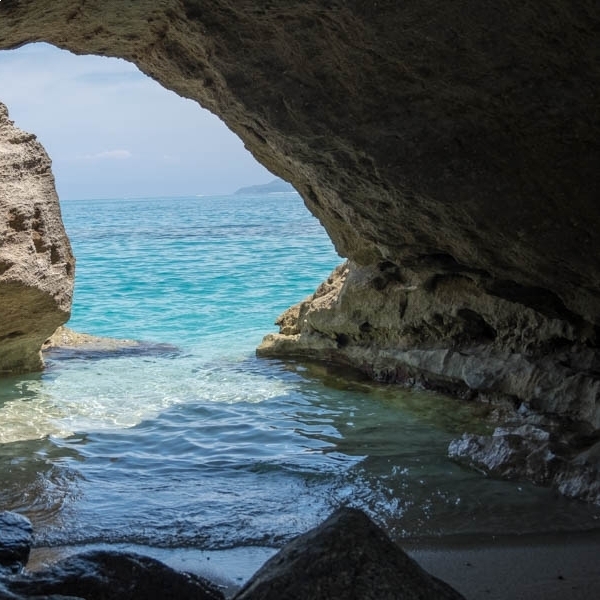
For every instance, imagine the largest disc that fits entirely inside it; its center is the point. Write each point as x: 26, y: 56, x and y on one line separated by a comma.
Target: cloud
x: 113, y: 132
x: 109, y: 154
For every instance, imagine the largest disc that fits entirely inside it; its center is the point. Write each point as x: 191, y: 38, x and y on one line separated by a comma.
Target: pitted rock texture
x: 452, y: 335
x: 462, y: 137
x: 450, y: 151
x: 538, y: 449
x: 36, y: 262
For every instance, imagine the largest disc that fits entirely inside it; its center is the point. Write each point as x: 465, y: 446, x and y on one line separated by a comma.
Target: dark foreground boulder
x: 101, y: 575
x: 345, y: 558
x: 16, y: 537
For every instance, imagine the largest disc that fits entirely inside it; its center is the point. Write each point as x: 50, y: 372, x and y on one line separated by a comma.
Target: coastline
x: 532, y: 567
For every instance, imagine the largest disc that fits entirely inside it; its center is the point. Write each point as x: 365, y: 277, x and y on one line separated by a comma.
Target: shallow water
x: 194, y: 442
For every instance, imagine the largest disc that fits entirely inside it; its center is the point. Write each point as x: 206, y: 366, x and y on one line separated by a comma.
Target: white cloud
x: 109, y: 154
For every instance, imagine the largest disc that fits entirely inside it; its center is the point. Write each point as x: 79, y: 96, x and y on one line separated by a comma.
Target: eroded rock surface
x: 448, y: 333
x: 445, y: 332
x: 66, y: 344
x: 538, y: 449
x: 36, y: 262
x: 445, y: 138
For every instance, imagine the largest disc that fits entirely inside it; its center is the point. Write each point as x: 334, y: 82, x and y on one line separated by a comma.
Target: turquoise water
x: 196, y: 443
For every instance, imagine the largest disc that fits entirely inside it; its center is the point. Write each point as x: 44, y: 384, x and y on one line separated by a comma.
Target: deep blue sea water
x: 198, y: 444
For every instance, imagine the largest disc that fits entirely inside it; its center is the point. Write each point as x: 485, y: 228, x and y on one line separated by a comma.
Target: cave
x: 449, y: 143
x: 451, y: 153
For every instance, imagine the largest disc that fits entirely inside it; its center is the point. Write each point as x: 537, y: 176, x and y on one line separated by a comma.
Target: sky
x: 112, y: 132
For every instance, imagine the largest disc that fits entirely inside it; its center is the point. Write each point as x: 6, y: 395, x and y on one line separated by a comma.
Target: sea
x: 189, y: 445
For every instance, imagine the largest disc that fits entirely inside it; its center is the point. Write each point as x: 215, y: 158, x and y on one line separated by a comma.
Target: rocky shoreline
x: 452, y: 334
x: 37, y: 266
x: 346, y: 551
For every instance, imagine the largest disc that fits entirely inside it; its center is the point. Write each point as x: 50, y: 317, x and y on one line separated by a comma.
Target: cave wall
x: 426, y: 131
x: 436, y: 141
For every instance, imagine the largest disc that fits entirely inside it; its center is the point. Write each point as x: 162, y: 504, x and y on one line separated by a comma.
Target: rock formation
x: 105, y: 575
x: 451, y: 152
x: 36, y: 263
x: 347, y: 557
x: 68, y: 344
x: 447, y: 333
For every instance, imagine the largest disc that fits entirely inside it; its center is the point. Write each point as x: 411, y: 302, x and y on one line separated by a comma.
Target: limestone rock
x: 448, y: 333
x: 16, y: 538
x: 510, y: 453
x: 464, y: 138
x: 36, y: 262
x: 544, y: 453
x: 65, y: 344
x: 347, y: 557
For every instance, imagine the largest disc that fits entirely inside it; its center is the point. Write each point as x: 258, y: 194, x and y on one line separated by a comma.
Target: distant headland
x: 273, y: 187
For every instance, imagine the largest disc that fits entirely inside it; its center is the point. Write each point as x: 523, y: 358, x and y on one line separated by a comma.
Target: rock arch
x: 450, y: 151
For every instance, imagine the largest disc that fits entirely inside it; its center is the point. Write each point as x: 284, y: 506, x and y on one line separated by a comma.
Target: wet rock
x: 16, y: 538
x: 446, y: 333
x: 510, y: 453
x: 36, y: 263
x: 541, y: 453
x: 449, y: 334
x: 580, y: 478
x: 101, y: 575
x: 66, y: 344
x: 347, y: 558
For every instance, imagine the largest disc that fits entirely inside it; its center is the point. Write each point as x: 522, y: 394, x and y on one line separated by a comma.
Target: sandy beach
x: 553, y: 567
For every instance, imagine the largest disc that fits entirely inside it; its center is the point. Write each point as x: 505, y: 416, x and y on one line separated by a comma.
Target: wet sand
x: 553, y: 567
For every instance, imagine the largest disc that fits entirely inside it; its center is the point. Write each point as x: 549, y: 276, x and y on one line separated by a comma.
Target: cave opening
x: 212, y: 428
x: 114, y: 133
